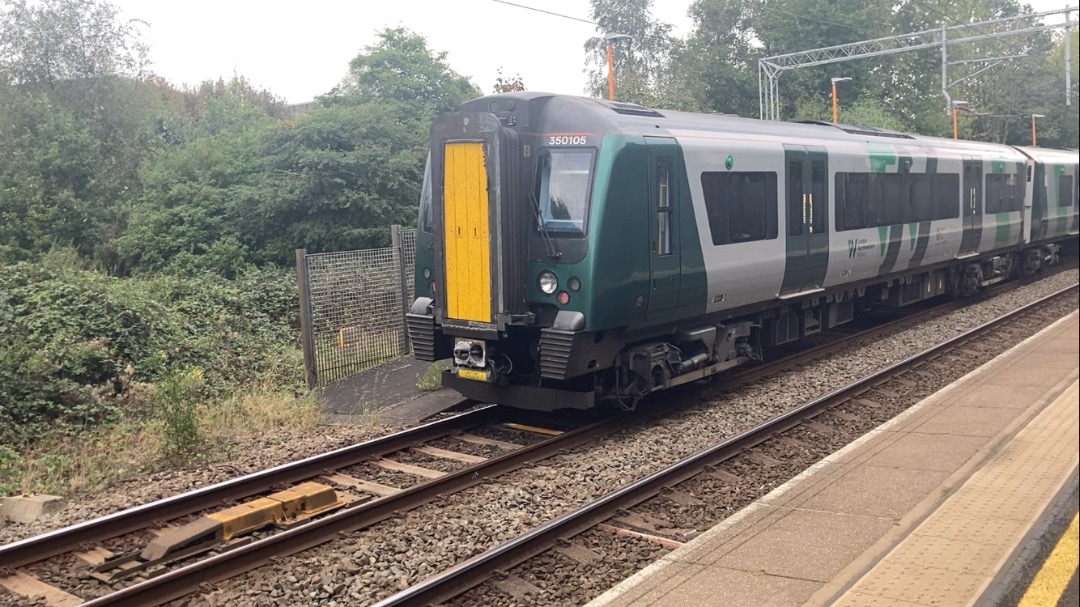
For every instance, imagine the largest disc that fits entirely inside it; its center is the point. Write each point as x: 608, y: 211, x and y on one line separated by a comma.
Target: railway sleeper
x: 284, y: 509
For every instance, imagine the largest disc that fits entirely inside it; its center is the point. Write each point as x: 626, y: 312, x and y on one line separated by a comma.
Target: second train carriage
x: 572, y: 251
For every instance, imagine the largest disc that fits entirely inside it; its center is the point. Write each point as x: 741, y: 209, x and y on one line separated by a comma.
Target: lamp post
x: 955, y: 105
x: 612, y: 39
x: 1034, y: 141
x: 835, y: 111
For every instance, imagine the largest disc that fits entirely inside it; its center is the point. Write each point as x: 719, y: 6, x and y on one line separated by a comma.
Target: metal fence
x: 352, y: 307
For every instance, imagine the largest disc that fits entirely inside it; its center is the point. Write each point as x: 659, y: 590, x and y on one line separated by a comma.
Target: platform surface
x: 927, y: 509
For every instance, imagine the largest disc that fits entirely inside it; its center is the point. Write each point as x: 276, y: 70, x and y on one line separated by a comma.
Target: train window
x: 663, y: 206
x: 852, y: 195
x: 889, y: 209
x: 426, y: 222
x: 946, y: 196
x: 565, y: 177
x: 1003, y: 193
x: 920, y: 198
x: 819, y: 197
x: 1065, y: 190
x: 741, y: 206
x: 796, y: 199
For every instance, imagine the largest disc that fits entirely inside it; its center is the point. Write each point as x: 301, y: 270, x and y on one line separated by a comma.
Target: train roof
x: 566, y: 113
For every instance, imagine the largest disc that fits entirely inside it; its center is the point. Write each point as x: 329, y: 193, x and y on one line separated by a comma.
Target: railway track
x: 613, y: 513
x: 356, y: 502
x: 180, y: 576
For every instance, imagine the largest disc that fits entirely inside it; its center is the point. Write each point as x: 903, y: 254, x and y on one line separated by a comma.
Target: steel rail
x: 31, y: 550
x: 180, y: 582
x: 476, y: 570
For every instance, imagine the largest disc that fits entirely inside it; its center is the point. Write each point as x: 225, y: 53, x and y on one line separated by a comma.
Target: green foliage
x: 10, y: 465
x: 431, y: 378
x: 401, y: 68
x: 74, y: 342
x: 640, y: 63
x: 47, y: 180
x: 176, y: 395
x: 60, y: 40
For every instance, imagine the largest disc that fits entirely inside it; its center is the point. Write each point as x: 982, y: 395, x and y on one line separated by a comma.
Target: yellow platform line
x: 1049, y: 584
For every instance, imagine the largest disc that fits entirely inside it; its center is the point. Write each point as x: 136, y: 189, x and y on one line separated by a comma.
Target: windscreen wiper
x: 549, y: 242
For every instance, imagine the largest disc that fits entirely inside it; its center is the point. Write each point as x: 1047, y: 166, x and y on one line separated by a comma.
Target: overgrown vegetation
x: 147, y: 308
x: 85, y: 356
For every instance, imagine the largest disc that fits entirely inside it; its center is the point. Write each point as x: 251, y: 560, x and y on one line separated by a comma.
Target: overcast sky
x: 299, y: 50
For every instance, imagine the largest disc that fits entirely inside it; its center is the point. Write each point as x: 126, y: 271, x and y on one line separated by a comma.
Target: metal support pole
x: 397, y: 242
x: 945, y: 77
x: 610, y: 75
x: 954, y: 131
x: 835, y: 112
x: 306, y: 337
x: 1068, y: 59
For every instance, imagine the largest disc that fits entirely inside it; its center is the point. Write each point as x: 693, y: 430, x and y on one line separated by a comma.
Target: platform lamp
x: 954, y: 106
x: 835, y: 111
x: 612, y: 40
x: 1034, y: 141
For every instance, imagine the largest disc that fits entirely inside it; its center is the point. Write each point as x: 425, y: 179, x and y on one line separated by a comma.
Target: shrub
x: 73, y: 340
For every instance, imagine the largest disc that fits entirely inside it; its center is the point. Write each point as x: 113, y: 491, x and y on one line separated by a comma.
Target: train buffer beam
x: 222, y: 530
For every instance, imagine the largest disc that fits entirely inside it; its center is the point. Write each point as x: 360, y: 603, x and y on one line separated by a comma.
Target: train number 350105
x: 568, y: 140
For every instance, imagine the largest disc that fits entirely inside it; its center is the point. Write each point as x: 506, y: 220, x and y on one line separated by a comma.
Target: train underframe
x: 552, y: 368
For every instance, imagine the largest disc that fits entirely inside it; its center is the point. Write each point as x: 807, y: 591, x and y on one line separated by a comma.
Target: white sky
x: 299, y: 50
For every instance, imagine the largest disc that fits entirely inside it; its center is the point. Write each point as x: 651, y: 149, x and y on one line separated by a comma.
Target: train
x: 575, y: 253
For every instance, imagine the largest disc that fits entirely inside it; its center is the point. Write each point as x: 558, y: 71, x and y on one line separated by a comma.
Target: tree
x: 505, y: 84
x: 641, y: 63
x: 716, y: 68
x: 401, y: 68
x: 53, y: 41
x: 71, y: 67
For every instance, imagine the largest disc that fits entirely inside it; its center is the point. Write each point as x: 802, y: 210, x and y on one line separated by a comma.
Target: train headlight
x: 548, y: 282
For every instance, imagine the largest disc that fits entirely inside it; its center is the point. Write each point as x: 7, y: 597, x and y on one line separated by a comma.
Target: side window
x: 1004, y: 193
x: 851, y: 201
x: 741, y: 206
x: 663, y: 206
x: 796, y: 199
x: 1015, y: 183
x: 1065, y: 190
x: 994, y: 194
x: 946, y: 196
x: 920, y: 199
x: 819, y: 197
x: 890, y: 207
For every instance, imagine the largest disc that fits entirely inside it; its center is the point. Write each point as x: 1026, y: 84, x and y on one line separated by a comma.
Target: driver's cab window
x: 563, y: 197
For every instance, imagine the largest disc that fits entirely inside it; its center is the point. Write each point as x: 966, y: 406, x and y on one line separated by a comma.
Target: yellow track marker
x: 1053, y: 577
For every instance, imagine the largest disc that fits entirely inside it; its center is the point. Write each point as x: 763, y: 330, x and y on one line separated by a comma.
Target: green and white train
x: 574, y: 251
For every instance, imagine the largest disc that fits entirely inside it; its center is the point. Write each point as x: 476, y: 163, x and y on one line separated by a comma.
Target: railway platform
x: 967, y: 498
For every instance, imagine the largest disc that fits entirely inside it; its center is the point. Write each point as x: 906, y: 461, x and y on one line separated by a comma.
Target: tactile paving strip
x: 952, y: 556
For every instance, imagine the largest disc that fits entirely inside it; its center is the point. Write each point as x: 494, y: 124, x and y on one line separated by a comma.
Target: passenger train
x: 575, y: 251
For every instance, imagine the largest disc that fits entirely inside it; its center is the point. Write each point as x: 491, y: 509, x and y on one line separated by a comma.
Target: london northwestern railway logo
x: 857, y: 247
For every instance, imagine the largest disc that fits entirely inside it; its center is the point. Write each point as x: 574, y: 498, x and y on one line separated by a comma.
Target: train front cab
x: 473, y: 303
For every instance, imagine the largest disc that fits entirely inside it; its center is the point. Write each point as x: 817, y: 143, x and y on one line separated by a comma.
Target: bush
x: 73, y: 340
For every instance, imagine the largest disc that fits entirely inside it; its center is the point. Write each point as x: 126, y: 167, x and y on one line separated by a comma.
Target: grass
x: 69, y: 462
x: 431, y: 378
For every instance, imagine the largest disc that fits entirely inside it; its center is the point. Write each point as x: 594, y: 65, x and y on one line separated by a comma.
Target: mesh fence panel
x: 357, y: 308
